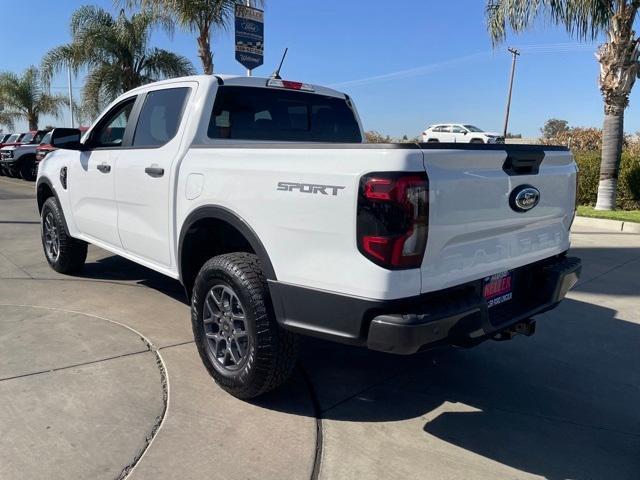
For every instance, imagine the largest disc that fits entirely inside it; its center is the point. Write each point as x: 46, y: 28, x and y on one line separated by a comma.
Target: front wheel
x: 64, y: 253
x: 28, y: 169
x: 239, y: 340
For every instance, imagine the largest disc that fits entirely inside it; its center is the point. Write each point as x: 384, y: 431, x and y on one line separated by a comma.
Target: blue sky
x: 406, y: 64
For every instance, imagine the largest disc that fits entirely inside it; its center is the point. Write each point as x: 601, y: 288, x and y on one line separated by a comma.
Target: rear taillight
x: 393, y: 217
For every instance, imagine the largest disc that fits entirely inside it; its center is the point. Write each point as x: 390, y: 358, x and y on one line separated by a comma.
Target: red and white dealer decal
x: 496, y: 289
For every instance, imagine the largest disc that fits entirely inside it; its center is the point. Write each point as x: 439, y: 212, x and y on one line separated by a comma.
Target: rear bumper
x: 458, y: 315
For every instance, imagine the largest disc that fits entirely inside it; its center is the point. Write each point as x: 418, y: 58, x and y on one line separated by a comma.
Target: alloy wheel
x: 225, y: 328
x: 51, y: 238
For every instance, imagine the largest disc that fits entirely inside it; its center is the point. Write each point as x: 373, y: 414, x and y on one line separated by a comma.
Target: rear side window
x: 160, y: 117
x: 249, y: 113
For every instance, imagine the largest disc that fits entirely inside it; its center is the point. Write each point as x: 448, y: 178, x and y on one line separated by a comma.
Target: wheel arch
x: 44, y: 190
x: 222, y: 221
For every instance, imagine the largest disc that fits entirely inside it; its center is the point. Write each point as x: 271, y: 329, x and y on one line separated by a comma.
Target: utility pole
x: 515, y: 53
x: 70, y: 95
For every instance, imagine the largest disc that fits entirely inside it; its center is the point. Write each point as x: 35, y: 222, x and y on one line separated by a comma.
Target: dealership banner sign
x: 249, y: 36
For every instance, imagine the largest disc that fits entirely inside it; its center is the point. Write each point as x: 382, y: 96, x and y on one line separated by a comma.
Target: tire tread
x: 276, y: 349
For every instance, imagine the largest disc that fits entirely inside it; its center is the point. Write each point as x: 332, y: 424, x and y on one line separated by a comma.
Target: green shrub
x: 628, y: 181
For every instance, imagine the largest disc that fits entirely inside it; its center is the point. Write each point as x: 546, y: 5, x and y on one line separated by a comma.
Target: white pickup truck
x: 260, y: 196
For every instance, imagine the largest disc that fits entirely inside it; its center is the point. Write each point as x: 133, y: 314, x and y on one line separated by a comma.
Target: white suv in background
x: 459, y: 133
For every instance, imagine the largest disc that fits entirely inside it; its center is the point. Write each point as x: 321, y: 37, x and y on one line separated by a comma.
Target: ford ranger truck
x: 261, y: 197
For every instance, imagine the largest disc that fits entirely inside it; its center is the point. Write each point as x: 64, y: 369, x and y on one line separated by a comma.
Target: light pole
x: 70, y: 95
x: 515, y: 53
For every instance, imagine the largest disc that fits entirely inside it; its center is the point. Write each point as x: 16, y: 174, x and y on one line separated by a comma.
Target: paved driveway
x: 99, y: 378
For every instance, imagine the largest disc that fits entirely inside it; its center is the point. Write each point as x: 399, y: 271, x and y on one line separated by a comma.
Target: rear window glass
x: 248, y: 113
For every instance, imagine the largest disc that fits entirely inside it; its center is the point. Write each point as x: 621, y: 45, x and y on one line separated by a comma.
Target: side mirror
x: 66, y: 138
x: 465, y: 132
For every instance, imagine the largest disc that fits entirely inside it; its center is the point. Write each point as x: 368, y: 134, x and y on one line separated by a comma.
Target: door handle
x: 154, y: 171
x: 104, y: 167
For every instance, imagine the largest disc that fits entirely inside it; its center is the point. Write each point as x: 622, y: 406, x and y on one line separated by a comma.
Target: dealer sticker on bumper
x: 496, y: 289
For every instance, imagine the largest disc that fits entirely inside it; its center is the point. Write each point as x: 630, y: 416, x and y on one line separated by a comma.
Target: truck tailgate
x: 474, y: 232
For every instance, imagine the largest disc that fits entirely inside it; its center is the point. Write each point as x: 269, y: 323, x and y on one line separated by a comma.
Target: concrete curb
x: 613, y: 225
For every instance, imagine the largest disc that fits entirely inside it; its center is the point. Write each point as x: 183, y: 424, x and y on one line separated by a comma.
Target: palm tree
x: 24, y: 98
x: 618, y: 58
x: 197, y: 16
x: 116, y: 53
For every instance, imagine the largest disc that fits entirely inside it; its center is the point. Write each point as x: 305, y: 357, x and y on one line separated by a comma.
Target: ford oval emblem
x: 524, y: 198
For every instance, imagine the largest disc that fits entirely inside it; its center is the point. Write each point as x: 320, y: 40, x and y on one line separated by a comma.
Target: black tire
x: 26, y: 169
x: 270, y: 352
x: 71, y: 253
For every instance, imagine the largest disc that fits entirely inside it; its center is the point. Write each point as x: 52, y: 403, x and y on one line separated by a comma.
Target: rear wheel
x: 239, y: 340
x: 64, y: 253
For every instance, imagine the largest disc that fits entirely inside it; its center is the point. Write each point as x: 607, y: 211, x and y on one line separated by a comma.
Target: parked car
x: 19, y: 159
x: 13, y: 139
x: 261, y: 198
x: 459, y: 133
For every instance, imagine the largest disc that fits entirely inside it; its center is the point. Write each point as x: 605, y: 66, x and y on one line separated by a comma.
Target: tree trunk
x: 612, y: 137
x: 204, y: 51
x: 32, y: 120
x: 619, y: 68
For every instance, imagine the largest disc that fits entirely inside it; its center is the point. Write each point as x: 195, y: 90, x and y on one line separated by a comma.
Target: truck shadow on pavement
x: 119, y: 269
x: 561, y: 404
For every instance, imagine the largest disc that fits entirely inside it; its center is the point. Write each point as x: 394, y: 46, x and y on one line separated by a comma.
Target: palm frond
x: 23, y: 97
x: 164, y: 64
x: 584, y: 19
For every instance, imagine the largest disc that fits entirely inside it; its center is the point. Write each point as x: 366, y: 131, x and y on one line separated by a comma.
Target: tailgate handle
x: 523, y: 162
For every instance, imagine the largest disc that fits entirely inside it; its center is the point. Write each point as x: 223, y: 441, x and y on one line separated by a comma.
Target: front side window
x: 110, y: 131
x: 38, y: 137
x: 27, y: 138
x: 160, y: 117
x: 473, y: 128
x: 458, y: 129
x: 253, y: 113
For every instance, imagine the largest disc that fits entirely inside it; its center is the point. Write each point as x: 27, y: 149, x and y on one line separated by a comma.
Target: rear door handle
x: 104, y: 167
x: 154, y: 171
